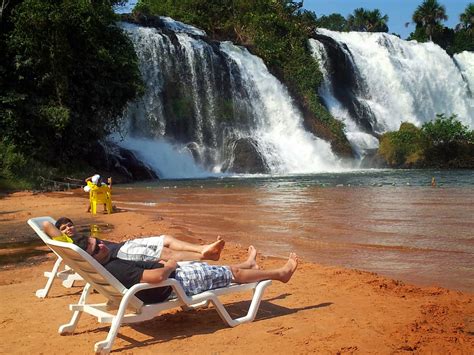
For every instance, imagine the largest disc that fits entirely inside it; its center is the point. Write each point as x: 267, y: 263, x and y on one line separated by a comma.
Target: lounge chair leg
x: 252, y: 312
x: 71, y: 326
x: 71, y: 278
x: 203, y: 304
x: 104, y: 346
x: 43, y: 292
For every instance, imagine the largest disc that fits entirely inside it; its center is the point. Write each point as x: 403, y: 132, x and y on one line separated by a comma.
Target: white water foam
x: 408, y: 81
x: 465, y: 62
x: 168, y: 160
x: 359, y: 140
x: 288, y: 148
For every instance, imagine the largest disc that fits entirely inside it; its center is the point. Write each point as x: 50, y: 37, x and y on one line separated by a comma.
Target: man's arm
x: 157, y: 275
x: 51, y: 230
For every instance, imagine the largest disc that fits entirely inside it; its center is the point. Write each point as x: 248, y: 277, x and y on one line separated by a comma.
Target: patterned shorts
x: 142, y: 249
x: 197, y: 277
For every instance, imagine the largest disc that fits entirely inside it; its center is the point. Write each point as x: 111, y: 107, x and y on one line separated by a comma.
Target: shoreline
x: 321, y: 309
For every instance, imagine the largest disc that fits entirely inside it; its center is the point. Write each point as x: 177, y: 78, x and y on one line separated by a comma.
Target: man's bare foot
x: 252, y: 258
x: 290, y: 267
x: 213, y: 250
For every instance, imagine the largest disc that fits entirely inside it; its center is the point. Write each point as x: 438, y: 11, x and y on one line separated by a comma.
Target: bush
x: 443, y: 142
x: 450, y: 143
x: 403, y: 147
x: 446, y: 130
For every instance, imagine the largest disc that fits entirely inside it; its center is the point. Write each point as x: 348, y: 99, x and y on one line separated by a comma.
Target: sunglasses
x: 97, y: 248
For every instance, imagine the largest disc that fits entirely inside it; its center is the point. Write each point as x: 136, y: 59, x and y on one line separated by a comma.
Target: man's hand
x: 161, y: 274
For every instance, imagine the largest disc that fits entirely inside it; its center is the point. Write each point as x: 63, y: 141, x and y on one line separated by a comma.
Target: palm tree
x: 376, y: 22
x: 429, y: 15
x: 363, y: 20
x: 467, y: 17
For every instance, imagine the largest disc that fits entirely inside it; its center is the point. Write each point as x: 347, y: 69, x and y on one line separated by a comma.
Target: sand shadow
x: 184, y: 324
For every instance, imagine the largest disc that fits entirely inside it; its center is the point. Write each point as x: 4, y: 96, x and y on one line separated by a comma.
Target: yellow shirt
x: 63, y: 238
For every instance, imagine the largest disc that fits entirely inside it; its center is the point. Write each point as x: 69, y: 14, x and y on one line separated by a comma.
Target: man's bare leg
x: 282, y: 274
x: 177, y: 255
x: 213, y: 251
x: 251, y: 262
x: 206, y: 252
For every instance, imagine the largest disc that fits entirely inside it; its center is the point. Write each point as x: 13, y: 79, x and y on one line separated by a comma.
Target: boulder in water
x: 118, y: 161
x: 247, y: 158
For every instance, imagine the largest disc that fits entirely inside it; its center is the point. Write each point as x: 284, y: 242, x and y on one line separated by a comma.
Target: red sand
x: 321, y: 309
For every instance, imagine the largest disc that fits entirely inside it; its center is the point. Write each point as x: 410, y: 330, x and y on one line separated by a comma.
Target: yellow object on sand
x: 98, y: 196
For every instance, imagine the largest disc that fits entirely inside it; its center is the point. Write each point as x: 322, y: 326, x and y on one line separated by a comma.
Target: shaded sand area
x: 321, y: 310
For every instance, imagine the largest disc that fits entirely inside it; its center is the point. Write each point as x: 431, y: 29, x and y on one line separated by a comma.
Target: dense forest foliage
x: 67, y: 71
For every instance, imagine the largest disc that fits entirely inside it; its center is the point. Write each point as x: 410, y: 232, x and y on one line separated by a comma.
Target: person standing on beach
x: 195, y: 277
x: 151, y: 248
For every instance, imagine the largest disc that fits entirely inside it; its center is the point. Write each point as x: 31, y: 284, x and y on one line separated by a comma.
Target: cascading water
x: 393, y: 81
x: 287, y: 147
x: 465, y: 63
x: 204, y: 102
x: 360, y: 141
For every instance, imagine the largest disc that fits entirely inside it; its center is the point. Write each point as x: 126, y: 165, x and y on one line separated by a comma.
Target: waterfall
x: 359, y: 140
x: 375, y: 81
x: 212, y: 108
x: 465, y: 62
x: 279, y: 130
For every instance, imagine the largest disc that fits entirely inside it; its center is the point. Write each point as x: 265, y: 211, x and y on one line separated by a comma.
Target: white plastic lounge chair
x: 67, y: 274
x: 125, y: 307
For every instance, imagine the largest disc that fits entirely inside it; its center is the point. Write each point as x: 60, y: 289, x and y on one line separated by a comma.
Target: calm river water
x: 390, y: 222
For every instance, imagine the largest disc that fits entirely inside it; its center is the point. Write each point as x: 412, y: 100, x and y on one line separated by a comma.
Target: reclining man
x: 195, y: 277
x: 153, y: 248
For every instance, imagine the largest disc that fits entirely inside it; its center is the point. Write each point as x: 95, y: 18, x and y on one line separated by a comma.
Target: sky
x: 399, y: 11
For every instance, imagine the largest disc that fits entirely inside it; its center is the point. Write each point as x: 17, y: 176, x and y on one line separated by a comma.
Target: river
x: 387, y: 221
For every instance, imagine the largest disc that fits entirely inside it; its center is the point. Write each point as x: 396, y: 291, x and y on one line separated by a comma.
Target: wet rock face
x: 247, y: 158
x: 119, y: 162
x: 347, y: 86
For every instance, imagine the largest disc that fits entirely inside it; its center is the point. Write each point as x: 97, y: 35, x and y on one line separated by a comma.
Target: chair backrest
x: 86, y: 266
x: 100, y: 194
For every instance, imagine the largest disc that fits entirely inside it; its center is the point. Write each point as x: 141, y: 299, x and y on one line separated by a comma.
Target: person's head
x: 66, y: 226
x: 96, y: 248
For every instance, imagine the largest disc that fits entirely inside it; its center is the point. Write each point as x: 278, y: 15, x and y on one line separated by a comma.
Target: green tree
x: 463, y: 35
x: 445, y: 130
x: 467, y: 17
x: 443, y: 142
x: 428, y: 17
x: 404, y: 147
x: 70, y: 73
x: 450, y: 143
x: 363, y: 20
x: 333, y: 22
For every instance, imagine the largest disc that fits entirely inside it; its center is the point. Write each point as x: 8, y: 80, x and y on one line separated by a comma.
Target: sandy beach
x: 321, y: 310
